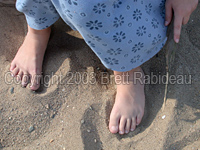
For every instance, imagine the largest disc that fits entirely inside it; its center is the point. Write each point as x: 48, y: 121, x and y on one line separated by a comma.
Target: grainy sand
x: 63, y: 116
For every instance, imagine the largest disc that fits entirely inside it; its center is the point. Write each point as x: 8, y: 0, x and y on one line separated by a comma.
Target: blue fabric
x: 122, y: 33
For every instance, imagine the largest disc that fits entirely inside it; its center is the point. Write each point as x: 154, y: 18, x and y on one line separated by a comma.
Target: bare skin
x: 182, y: 10
x: 27, y: 64
x: 129, y: 104
x: 128, y: 109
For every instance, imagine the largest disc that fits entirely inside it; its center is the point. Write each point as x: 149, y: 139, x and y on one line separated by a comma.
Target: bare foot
x: 27, y: 64
x: 128, y: 109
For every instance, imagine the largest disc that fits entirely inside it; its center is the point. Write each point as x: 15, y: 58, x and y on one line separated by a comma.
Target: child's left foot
x: 128, y: 109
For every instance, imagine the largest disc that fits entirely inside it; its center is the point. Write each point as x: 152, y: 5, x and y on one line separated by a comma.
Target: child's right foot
x: 27, y: 64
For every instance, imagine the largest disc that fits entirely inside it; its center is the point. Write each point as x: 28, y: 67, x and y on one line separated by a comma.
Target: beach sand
x: 71, y: 108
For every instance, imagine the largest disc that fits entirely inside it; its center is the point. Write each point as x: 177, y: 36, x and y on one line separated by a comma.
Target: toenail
x: 120, y: 132
x: 12, y: 75
x: 132, y: 129
x: 114, y: 128
x: 126, y: 131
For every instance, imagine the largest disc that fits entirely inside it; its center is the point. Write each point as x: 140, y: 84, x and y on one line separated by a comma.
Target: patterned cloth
x: 122, y: 33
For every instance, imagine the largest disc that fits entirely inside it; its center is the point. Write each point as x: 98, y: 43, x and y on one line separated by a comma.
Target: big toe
x: 114, y: 123
x: 139, y: 118
x: 35, y: 82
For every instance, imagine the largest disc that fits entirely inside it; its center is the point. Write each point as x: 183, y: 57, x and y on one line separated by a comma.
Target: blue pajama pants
x: 122, y: 33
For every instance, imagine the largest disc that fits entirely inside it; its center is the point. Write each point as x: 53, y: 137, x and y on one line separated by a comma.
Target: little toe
x: 133, y: 124
x: 122, y: 125
x: 114, y: 124
x: 15, y: 71
x: 12, y: 66
x: 128, y: 125
x: 35, y: 82
x: 25, y: 79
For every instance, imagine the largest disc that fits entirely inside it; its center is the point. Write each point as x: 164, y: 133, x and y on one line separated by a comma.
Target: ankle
x: 39, y: 34
x: 129, y: 76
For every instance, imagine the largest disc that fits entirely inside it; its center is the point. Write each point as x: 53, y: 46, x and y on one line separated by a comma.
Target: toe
x: 122, y: 125
x: 128, y: 125
x: 133, y: 124
x: 114, y: 123
x: 139, y: 118
x: 25, y: 79
x: 12, y: 66
x: 19, y: 75
x: 35, y: 82
x: 15, y: 71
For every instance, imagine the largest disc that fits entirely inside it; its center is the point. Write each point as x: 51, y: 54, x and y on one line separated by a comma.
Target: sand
x: 71, y: 108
